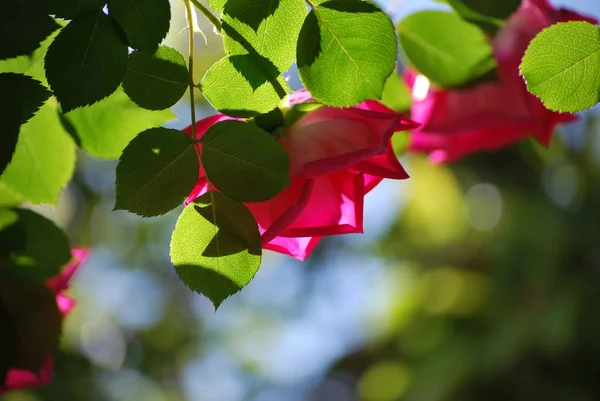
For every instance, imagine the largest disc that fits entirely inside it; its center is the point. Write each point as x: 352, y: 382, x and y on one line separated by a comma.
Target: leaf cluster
x: 94, y: 74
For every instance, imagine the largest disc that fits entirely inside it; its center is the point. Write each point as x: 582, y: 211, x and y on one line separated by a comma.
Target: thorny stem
x: 189, y: 10
x: 190, y: 22
x: 209, y: 16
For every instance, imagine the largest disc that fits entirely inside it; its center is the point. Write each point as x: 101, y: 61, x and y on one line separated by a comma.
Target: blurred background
x: 474, y: 281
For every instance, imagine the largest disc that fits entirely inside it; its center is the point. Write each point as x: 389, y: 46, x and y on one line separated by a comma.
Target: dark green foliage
x: 156, y: 81
x: 244, y: 162
x: 156, y: 172
x: 70, y: 9
x: 20, y: 98
x: 491, y: 8
x: 32, y: 247
x: 145, y: 22
x: 87, y: 61
x: 23, y: 26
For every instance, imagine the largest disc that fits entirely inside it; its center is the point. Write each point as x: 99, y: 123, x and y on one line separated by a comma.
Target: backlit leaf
x: 20, y: 98
x: 562, y: 66
x: 266, y: 27
x: 106, y: 128
x: 216, y: 246
x: 217, y: 5
x: 346, y: 50
x: 7, y: 197
x: 243, y: 85
x: 445, y: 48
x: 44, y: 158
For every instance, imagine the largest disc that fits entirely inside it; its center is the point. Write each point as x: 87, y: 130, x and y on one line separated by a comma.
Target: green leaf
x: 346, y: 50
x: 396, y: 94
x: 7, y: 218
x: 216, y: 246
x: 266, y: 27
x: 32, y: 247
x: 445, y: 48
x: 35, y: 321
x: 217, y: 5
x: 7, y: 197
x: 105, y: 129
x: 243, y: 85
x: 32, y: 64
x: 20, y: 98
x: 270, y: 121
x: 487, y: 23
x: 145, y: 22
x: 23, y: 25
x: 86, y: 62
x: 156, y: 81
x: 562, y: 66
x: 70, y: 9
x: 156, y: 172
x: 244, y: 162
x: 44, y: 159
x: 299, y: 110
x: 492, y: 8
x: 27, y: 95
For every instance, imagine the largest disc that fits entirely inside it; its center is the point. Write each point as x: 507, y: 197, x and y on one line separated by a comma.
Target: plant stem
x: 209, y: 16
x: 190, y: 22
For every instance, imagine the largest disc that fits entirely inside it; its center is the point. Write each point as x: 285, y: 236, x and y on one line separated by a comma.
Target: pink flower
x: 20, y: 378
x: 336, y: 157
x: 491, y: 115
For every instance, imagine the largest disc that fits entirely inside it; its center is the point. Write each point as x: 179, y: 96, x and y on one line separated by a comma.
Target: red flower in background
x: 336, y: 157
x: 20, y: 378
x: 491, y: 115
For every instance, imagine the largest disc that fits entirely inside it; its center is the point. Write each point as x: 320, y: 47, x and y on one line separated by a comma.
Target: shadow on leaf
x: 309, y: 39
x: 256, y: 69
x: 231, y: 236
x: 208, y: 282
x: 251, y: 13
